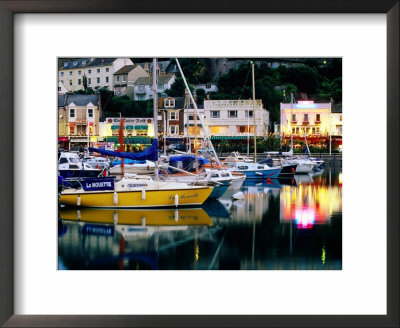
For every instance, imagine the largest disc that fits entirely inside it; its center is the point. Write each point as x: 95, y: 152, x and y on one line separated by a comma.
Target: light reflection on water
x: 277, y: 225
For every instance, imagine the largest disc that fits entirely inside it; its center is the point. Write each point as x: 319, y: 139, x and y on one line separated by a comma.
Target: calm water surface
x: 288, y: 224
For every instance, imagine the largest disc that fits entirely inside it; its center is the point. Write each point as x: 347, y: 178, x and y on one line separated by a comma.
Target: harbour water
x: 285, y: 224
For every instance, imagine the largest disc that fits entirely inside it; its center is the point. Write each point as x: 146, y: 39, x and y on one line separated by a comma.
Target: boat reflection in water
x: 286, y: 224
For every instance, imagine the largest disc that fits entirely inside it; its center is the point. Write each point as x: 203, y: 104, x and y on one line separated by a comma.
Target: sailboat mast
x: 254, y: 114
x: 197, y: 112
x: 155, y: 112
x: 291, y: 118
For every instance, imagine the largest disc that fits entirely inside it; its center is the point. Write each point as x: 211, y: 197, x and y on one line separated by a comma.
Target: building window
x: 70, y: 82
x: 72, y: 112
x: 208, y: 86
x: 124, y: 78
x: 249, y: 114
x: 90, y: 112
x: 160, y: 86
x: 191, y: 118
x: 89, y: 71
x: 98, y: 70
x: 70, y: 73
x: 117, y: 78
x: 340, y: 118
x: 245, y: 129
x: 173, y: 115
x: 98, y: 80
x: 215, y: 114
x: 107, y: 69
x: 141, y: 97
x: 106, y: 79
x: 232, y: 113
x: 294, y: 118
x: 79, y: 81
x: 62, y: 74
x: 59, y: 89
x: 89, y: 80
x: 318, y: 118
x: 79, y: 72
x: 174, y: 129
x: 305, y: 118
x: 169, y: 102
x: 141, y: 88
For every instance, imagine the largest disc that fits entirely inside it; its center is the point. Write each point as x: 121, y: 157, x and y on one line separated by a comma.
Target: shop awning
x: 114, y: 127
x: 129, y: 127
x: 230, y: 137
x: 140, y: 127
x: 132, y: 140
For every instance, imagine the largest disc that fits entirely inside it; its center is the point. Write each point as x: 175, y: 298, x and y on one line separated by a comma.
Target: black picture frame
x: 10, y: 7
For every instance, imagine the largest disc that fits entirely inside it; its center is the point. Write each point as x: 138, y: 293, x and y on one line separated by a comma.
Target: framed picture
x: 272, y: 298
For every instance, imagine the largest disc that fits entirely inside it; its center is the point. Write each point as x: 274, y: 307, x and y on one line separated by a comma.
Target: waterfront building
x: 98, y: 71
x: 229, y: 119
x: 136, y: 131
x: 315, y: 121
x: 125, y: 78
x: 78, y: 120
x: 143, y: 87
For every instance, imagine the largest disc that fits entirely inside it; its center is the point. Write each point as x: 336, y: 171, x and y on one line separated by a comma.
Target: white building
x: 207, y: 87
x: 143, y: 86
x: 230, y: 118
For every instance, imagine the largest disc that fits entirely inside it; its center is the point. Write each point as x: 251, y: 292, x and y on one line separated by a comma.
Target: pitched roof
x: 126, y: 69
x: 179, y: 102
x: 149, y: 80
x: 101, y: 62
x: 77, y: 99
x: 74, y: 63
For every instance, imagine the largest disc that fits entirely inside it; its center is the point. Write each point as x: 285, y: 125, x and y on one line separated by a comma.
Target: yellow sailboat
x: 134, y: 192
x: 158, y: 217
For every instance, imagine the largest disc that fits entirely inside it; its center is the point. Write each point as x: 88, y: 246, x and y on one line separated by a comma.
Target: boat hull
x: 288, y: 170
x: 262, y: 174
x: 137, y: 198
x: 304, y: 168
x: 219, y: 190
x: 236, y: 183
x: 79, y: 173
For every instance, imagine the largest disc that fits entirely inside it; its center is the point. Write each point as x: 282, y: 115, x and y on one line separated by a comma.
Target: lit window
x: 305, y: 118
x: 294, y: 118
x: 318, y: 118
x: 232, y: 113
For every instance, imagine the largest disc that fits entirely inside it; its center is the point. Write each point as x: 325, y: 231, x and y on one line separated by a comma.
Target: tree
x: 201, y: 95
x: 84, y: 82
x: 178, y: 88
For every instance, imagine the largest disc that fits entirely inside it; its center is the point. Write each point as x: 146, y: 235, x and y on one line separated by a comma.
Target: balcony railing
x: 306, y: 122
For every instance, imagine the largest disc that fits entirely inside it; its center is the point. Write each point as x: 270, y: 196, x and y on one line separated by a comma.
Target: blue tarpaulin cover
x: 147, y: 154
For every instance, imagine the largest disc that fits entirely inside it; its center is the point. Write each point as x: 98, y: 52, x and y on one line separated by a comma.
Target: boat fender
x: 238, y: 195
x: 293, y: 170
x: 78, y: 214
x: 115, y: 218
x: 143, y: 221
x: 176, y: 215
x: 176, y: 200
x: 148, y: 167
x: 143, y: 194
x: 269, y: 180
x: 115, y: 198
x: 78, y: 200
